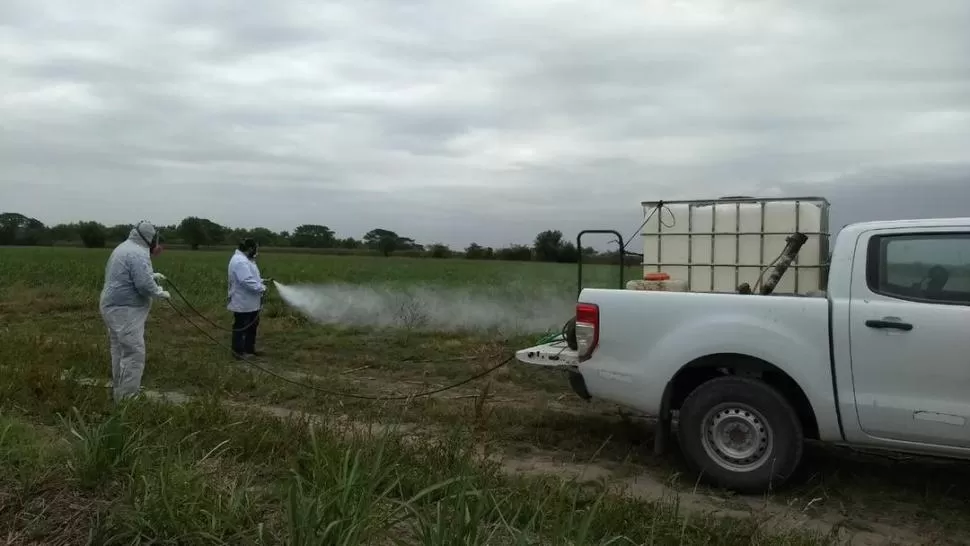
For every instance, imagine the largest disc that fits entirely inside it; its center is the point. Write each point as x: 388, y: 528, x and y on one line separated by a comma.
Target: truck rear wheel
x: 740, y: 434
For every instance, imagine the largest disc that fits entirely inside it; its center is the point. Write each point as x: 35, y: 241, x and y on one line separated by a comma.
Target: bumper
x: 550, y: 355
x: 558, y: 356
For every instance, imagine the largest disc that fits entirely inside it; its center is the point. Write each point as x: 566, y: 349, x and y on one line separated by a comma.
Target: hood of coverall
x: 142, y: 232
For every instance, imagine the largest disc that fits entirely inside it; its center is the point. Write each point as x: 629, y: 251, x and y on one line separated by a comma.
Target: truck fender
x: 777, y: 347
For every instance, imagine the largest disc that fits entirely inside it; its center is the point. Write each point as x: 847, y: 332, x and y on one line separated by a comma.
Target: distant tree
x: 93, y: 234
x: 118, y: 233
x: 387, y: 242
x: 548, y: 245
x: 440, y: 250
x: 517, y: 253
x: 265, y: 236
x: 216, y: 232
x: 197, y: 232
x: 312, y: 236
x: 62, y: 233
x: 348, y: 243
x: 192, y: 231
x: 17, y: 229
x: 474, y: 251
x: 567, y: 253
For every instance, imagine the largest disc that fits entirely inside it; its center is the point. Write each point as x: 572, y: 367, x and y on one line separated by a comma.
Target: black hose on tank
x: 569, y: 332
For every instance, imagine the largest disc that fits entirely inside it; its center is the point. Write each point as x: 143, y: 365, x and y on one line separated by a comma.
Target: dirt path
x: 771, y: 514
x: 638, y: 482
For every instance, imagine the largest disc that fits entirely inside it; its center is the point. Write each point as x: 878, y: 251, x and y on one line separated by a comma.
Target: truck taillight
x: 587, y: 329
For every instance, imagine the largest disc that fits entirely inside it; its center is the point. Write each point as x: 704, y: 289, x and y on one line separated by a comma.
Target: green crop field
x: 205, y: 271
x: 218, y: 452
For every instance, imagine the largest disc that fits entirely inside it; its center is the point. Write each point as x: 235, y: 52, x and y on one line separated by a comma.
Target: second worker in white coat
x: 246, y: 291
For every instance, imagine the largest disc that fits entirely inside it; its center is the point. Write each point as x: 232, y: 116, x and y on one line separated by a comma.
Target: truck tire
x: 740, y: 434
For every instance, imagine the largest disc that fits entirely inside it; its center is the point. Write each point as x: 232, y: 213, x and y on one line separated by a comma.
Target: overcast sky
x: 486, y: 120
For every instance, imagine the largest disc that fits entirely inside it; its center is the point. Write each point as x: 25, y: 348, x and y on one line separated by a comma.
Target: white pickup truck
x: 881, y: 359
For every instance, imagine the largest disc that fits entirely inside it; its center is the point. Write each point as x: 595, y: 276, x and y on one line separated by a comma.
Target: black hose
x: 660, y: 207
x: 285, y: 379
x: 569, y: 333
x: 205, y: 318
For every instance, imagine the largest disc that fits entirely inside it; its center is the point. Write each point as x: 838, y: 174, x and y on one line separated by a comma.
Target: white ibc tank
x: 660, y: 282
x: 716, y: 245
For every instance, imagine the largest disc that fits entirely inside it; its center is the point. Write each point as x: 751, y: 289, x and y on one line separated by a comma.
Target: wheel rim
x: 736, y: 437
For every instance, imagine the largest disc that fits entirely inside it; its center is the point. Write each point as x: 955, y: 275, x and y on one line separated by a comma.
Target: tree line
x: 194, y: 232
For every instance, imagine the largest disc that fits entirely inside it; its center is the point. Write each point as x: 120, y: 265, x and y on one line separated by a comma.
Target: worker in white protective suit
x: 130, y: 284
x: 245, y: 299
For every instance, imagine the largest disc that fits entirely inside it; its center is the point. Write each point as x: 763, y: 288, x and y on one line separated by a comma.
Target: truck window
x: 929, y: 267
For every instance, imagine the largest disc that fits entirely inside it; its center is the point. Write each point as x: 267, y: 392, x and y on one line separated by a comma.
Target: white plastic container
x: 716, y: 245
x: 660, y: 282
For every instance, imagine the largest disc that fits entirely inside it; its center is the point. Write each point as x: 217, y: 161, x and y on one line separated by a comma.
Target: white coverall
x: 126, y: 299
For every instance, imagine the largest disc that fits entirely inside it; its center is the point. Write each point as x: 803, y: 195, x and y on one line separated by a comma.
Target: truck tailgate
x: 555, y: 354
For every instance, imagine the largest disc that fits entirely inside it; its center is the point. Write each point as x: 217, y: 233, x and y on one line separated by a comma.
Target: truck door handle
x: 890, y: 324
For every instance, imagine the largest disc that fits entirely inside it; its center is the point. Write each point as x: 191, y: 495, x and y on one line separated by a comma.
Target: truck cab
x: 878, y: 360
x: 900, y: 300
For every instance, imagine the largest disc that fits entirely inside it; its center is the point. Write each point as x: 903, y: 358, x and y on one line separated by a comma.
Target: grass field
x: 218, y: 453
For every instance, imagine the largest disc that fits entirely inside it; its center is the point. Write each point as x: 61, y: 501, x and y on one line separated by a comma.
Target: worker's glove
x: 164, y: 294
x: 158, y: 277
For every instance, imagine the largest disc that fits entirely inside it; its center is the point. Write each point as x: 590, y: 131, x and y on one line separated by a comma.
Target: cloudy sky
x: 487, y: 120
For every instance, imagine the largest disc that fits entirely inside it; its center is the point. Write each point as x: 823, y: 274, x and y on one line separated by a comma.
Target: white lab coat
x: 246, y: 287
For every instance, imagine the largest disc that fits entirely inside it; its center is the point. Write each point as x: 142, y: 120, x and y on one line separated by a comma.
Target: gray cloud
x: 458, y: 121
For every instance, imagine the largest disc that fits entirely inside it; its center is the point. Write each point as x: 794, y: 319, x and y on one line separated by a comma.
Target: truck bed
x: 647, y: 337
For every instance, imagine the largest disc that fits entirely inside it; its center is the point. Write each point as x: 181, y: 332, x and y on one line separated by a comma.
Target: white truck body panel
x: 883, y: 363
x: 647, y: 337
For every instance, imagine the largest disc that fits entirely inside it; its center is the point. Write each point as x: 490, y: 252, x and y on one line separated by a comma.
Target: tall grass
x: 103, y: 449
x: 205, y: 473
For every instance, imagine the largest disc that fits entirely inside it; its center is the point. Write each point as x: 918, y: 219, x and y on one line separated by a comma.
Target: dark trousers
x: 244, y: 327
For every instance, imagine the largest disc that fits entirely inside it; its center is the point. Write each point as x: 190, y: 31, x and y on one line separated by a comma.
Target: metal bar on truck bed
x: 798, y: 221
x: 786, y: 233
x: 793, y: 266
x: 713, y: 244
x: 690, y: 248
x: 737, y: 242
x: 702, y: 202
